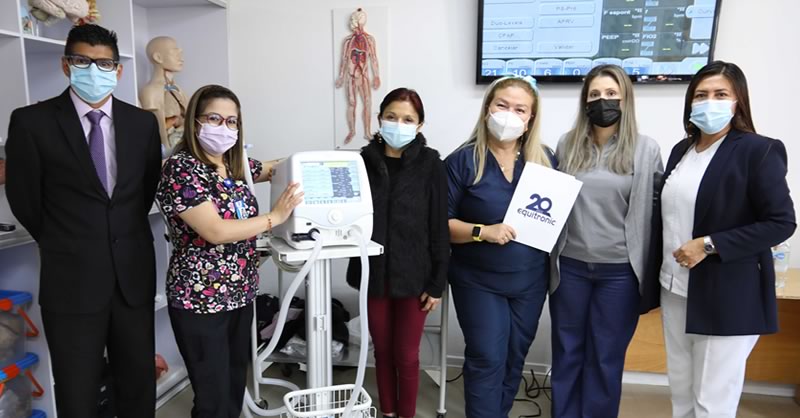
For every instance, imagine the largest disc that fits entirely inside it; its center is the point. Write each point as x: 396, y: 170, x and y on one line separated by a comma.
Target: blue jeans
x: 499, y: 314
x: 594, y: 312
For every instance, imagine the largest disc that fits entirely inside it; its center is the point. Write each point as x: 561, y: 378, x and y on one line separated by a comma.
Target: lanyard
x: 238, y: 201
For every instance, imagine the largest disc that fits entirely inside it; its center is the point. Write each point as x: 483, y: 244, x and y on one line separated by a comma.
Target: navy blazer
x: 744, y: 205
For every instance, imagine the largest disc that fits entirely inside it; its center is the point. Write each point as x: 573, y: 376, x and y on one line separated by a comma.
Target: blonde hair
x: 233, y: 157
x: 531, y: 147
x: 581, y: 152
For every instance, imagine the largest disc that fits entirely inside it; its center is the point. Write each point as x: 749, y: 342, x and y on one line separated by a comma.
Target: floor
x: 638, y: 401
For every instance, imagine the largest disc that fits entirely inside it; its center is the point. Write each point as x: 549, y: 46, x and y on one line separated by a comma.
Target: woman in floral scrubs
x: 213, y: 272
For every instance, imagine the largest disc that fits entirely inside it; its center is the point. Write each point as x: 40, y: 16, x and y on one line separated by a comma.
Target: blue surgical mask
x: 91, y: 84
x: 712, y: 116
x: 398, y: 135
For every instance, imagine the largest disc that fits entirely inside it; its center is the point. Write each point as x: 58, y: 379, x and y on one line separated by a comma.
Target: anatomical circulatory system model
x: 358, y: 52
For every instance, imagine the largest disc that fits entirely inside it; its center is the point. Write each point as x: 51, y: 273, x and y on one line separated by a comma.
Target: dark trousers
x: 499, y: 322
x: 594, y: 312
x: 76, y: 343
x: 396, y: 326
x: 216, y: 350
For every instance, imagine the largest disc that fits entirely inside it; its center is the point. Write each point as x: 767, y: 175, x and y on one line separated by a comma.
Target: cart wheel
x: 286, y: 370
x: 440, y: 415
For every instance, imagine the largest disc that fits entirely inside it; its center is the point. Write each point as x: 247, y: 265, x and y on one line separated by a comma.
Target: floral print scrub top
x: 203, y: 277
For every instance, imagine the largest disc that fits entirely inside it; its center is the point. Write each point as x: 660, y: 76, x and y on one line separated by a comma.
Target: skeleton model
x: 358, y: 51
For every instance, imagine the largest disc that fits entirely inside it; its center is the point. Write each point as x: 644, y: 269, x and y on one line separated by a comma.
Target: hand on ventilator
x: 285, y: 204
x: 500, y: 234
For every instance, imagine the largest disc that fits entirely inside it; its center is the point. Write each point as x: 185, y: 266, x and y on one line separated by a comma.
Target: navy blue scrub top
x: 486, y: 203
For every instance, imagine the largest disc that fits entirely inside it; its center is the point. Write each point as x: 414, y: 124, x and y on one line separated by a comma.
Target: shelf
x: 429, y: 357
x: 8, y: 34
x: 179, y: 3
x: 41, y: 45
x: 15, y: 238
x: 45, y: 40
x: 287, y: 254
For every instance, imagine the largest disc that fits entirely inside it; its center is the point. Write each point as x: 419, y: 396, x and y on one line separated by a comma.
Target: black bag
x: 339, y: 319
x: 266, y: 308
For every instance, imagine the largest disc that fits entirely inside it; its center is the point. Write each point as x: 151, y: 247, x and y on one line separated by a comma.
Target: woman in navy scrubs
x: 499, y: 285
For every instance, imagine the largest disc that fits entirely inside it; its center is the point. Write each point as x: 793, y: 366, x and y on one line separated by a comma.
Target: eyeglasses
x: 103, y: 64
x: 215, y: 119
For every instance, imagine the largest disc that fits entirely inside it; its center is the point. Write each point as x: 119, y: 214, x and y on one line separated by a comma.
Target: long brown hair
x: 197, y: 106
x: 742, y: 119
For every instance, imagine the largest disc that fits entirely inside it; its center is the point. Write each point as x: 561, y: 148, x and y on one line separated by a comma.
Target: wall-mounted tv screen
x: 561, y: 40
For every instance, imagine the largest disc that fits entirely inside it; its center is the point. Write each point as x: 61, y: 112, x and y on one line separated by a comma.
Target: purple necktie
x: 96, y: 147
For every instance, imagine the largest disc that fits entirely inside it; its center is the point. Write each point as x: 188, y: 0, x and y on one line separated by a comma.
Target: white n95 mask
x: 505, y: 126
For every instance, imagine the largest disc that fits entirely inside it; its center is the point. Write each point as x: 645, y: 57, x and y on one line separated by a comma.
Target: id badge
x: 241, y: 209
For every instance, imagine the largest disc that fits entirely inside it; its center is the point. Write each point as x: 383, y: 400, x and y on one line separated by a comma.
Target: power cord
x: 532, y: 391
x: 455, y: 378
x: 536, y: 404
x: 545, y: 388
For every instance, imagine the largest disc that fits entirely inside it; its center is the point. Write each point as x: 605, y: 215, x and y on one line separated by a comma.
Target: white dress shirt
x: 678, y: 200
x: 109, y: 140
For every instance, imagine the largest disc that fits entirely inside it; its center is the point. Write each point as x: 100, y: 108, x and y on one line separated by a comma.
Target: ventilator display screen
x: 330, y: 182
x: 561, y: 40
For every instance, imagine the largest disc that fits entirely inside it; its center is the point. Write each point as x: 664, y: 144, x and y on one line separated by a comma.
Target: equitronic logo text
x: 539, y: 209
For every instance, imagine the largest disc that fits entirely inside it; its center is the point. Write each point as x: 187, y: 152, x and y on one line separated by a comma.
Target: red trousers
x: 396, y: 327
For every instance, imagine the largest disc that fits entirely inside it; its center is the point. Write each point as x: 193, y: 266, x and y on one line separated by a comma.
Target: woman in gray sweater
x: 600, y: 261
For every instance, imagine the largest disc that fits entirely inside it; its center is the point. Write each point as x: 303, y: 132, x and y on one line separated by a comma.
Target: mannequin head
x: 358, y: 19
x: 163, y: 52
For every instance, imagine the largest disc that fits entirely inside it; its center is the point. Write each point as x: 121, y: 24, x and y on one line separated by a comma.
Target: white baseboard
x: 658, y: 379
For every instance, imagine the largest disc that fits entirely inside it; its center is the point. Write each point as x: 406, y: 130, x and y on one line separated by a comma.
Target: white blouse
x: 678, y: 200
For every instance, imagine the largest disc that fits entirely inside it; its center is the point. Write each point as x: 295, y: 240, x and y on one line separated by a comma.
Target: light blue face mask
x: 712, y: 116
x: 398, y: 135
x: 91, y: 84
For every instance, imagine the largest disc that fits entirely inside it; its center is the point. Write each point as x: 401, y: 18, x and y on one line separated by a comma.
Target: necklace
x: 503, y: 167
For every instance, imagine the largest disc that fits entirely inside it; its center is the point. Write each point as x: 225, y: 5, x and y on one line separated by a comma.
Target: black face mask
x: 603, y: 112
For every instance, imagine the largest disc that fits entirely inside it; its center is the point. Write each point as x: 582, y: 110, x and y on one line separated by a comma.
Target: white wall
x: 281, y: 61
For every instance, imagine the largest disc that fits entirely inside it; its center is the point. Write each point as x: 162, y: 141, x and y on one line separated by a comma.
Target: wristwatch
x: 476, y: 232
x: 708, y: 246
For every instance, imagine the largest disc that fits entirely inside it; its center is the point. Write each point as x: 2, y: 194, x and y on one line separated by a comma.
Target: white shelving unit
x: 32, y: 72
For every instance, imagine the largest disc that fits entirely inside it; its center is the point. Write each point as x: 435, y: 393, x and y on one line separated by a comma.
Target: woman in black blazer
x: 725, y: 201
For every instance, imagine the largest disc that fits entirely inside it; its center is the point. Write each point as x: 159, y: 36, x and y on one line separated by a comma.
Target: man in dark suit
x: 82, y: 173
